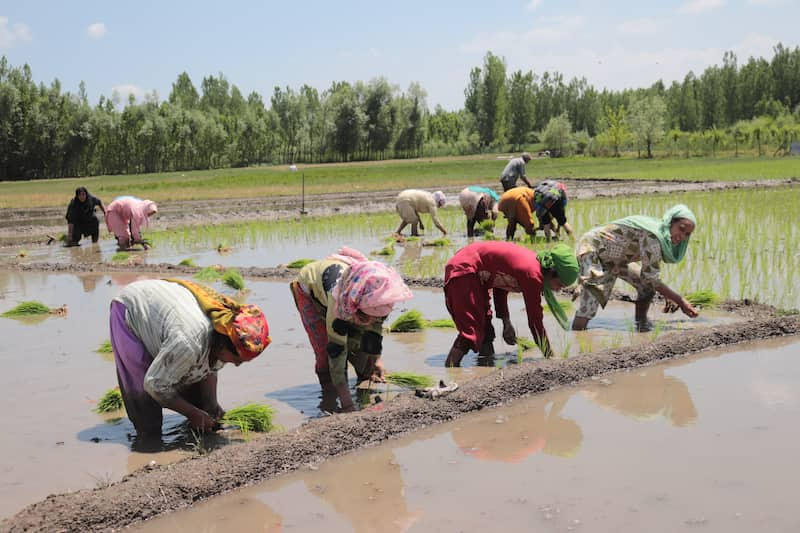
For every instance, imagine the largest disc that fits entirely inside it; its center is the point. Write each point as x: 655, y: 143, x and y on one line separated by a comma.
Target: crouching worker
x: 125, y: 218
x: 503, y: 267
x: 479, y: 204
x: 170, y: 337
x: 81, y: 220
x: 343, y: 301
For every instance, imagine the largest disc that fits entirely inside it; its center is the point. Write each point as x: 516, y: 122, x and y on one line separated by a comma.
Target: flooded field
x: 54, y: 375
x: 702, y: 444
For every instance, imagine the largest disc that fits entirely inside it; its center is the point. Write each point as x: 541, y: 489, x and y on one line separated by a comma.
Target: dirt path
x: 29, y: 226
x: 149, y: 492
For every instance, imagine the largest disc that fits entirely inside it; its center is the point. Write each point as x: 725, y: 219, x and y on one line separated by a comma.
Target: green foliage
x: 387, y: 250
x: 105, y: 347
x: 525, y: 343
x: 440, y: 323
x: 299, y: 263
x: 110, y: 401
x: 703, y: 298
x: 410, y: 380
x: 209, y: 274
x: 120, y: 257
x: 251, y: 417
x: 188, y: 262
x: 233, y: 279
x: 566, y: 306
x: 437, y: 242
x: 28, y: 308
x: 409, y: 321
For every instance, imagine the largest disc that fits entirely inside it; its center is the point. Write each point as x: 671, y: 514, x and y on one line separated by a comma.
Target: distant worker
x: 81, y: 220
x: 550, y: 201
x: 479, y: 204
x: 125, y: 217
x: 515, y: 169
x: 517, y: 205
x: 343, y: 301
x: 412, y: 202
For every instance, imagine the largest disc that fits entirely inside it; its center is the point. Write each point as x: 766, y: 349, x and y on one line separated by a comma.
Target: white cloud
x: 9, y: 36
x: 125, y: 90
x: 700, y: 6
x: 96, y: 30
x: 643, y: 25
x: 767, y: 2
x: 533, y: 4
x: 550, y: 30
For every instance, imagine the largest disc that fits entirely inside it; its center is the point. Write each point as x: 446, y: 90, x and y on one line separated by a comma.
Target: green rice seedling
x: 525, y: 343
x: 409, y: 321
x: 703, y: 298
x: 120, y: 257
x: 188, y: 262
x: 437, y: 242
x: 251, y: 417
x: 520, y: 349
x: 658, y: 329
x: 110, y: 401
x: 29, y: 308
x: 387, y: 250
x: 410, y: 380
x: 233, y: 279
x: 223, y: 248
x: 585, y: 344
x: 617, y: 340
x: 440, y: 323
x: 198, y: 445
x: 486, y: 226
x: 105, y: 347
x: 299, y: 263
x: 209, y: 274
x: 566, y: 306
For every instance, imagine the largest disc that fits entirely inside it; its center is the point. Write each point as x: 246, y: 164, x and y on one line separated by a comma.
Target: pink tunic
x: 126, y: 215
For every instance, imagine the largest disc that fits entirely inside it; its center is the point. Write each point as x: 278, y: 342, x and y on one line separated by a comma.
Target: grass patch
x: 188, y: 262
x: 437, y: 242
x: 110, y: 401
x: 120, y: 257
x: 704, y: 298
x: 299, y: 263
x: 409, y: 321
x: 209, y: 274
x: 250, y: 417
x: 29, y: 308
x: 233, y: 279
x: 410, y: 380
x: 105, y: 347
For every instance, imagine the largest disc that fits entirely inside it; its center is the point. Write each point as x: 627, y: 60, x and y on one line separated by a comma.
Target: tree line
x: 46, y: 132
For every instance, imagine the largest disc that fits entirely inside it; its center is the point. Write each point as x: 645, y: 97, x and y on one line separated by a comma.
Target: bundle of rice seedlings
x: 188, y: 262
x: 440, y: 323
x: 299, y: 263
x: 410, y: 380
x: 703, y: 298
x: 110, y: 401
x: 29, y: 308
x: 233, y: 279
x: 120, y: 257
x: 409, y: 321
x: 250, y: 417
x: 437, y: 242
x: 22, y: 253
x: 105, y: 347
x: 224, y: 248
x: 525, y: 343
x: 209, y: 274
x: 386, y: 250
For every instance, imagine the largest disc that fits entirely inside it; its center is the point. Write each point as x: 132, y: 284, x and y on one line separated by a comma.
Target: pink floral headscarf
x: 369, y: 286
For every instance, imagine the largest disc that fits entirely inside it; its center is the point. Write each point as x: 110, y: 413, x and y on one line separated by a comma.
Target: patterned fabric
x: 605, y: 254
x: 312, y: 315
x: 592, y: 296
x: 244, y: 324
x: 547, y: 194
x: 661, y: 230
x: 370, y: 287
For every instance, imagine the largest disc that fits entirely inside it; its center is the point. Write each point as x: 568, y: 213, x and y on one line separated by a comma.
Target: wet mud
x: 153, y: 491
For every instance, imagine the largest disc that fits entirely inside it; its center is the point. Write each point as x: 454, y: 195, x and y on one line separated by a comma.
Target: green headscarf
x: 562, y: 259
x: 660, y: 230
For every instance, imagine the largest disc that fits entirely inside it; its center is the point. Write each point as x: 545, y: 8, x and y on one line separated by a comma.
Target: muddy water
x: 53, y: 376
x: 706, y: 443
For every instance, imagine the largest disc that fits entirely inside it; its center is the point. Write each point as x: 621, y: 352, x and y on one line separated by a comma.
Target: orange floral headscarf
x: 244, y: 324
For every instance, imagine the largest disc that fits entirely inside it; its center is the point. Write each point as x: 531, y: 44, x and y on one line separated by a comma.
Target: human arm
x: 672, y: 296
x: 437, y: 222
x: 198, y: 418
x: 526, y: 181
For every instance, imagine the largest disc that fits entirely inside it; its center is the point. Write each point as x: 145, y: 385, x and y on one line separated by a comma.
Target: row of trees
x: 45, y: 132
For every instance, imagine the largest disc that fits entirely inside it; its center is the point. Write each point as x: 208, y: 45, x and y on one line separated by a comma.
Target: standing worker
x: 81, y: 220
x: 479, y: 204
x: 613, y: 251
x: 503, y: 267
x: 517, y: 205
x: 343, y: 301
x: 515, y: 169
x: 412, y: 202
x: 170, y: 337
x: 550, y: 201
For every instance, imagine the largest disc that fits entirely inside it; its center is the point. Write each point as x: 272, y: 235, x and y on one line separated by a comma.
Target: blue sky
x: 142, y: 46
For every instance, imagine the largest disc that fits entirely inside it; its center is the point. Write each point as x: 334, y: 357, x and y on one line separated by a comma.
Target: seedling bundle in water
x: 703, y: 298
x: 299, y: 263
x: 120, y: 257
x: 110, y: 401
x: 250, y: 417
x: 105, y: 347
x: 409, y: 321
x: 410, y: 380
x: 525, y: 343
x: 437, y: 242
x: 440, y: 323
x: 29, y: 308
x: 233, y: 279
x: 188, y: 262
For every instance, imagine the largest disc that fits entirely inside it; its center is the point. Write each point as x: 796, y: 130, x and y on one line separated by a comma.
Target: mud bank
x: 33, y: 226
x: 150, y: 492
